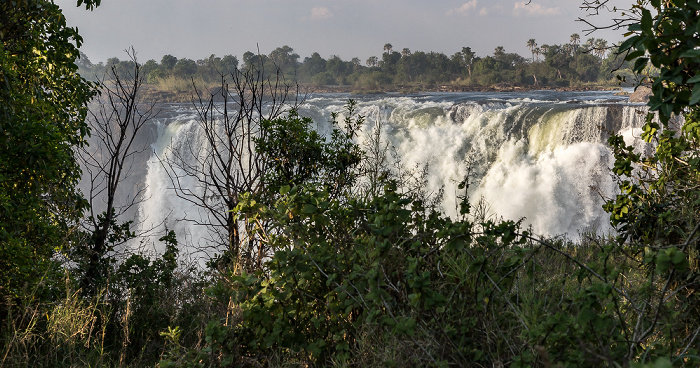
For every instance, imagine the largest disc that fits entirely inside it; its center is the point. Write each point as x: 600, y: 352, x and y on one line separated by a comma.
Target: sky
x: 195, y: 29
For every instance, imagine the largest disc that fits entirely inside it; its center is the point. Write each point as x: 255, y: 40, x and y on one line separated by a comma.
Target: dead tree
x: 595, y: 8
x: 224, y: 162
x: 116, y: 120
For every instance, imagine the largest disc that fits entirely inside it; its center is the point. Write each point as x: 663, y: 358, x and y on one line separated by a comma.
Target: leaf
x: 640, y: 64
x: 629, y: 44
x: 667, y: 108
x: 662, y: 363
x: 695, y: 98
x: 586, y: 315
x: 634, y: 27
x: 646, y: 20
x: 678, y: 258
x: 309, y: 208
x: 285, y: 189
x: 663, y: 262
x: 691, y: 53
x: 635, y: 54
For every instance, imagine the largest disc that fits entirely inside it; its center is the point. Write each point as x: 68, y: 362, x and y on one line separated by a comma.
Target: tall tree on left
x: 43, y: 105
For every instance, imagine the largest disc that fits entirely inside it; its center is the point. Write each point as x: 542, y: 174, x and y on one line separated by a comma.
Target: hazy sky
x: 196, y: 29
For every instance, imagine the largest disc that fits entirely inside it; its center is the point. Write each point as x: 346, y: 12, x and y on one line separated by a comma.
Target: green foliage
x: 119, y: 325
x: 667, y: 41
x: 382, y: 281
x: 185, y: 68
x: 300, y: 155
x: 353, y: 277
x: 138, y: 295
x: 562, y: 65
x: 42, y: 120
x: 168, y: 61
x: 657, y: 209
x: 342, y: 266
x: 659, y: 201
x: 94, y: 269
x: 378, y: 278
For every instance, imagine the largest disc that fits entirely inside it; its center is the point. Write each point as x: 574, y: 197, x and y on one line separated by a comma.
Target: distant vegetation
x: 333, y: 253
x: 568, y: 65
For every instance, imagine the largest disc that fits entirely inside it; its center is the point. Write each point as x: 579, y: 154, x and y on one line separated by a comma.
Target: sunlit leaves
x: 656, y: 212
x: 42, y: 111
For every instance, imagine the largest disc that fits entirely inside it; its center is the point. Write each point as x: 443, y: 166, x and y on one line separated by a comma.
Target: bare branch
x: 222, y: 160
x: 116, y: 123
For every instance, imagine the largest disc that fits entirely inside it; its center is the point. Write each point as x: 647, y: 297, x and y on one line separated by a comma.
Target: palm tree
x: 499, y: 51
x: 405, y: 52
x: 575, y: 39
x: 569, y: 49
x: 531, y: 44
x: 388, y: 47
x: 372, y: 61
x: 601, y: 47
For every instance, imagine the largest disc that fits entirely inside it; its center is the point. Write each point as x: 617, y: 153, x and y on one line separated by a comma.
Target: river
x: 540, y: 156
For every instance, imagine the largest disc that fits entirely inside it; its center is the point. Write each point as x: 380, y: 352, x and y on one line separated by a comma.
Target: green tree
x: 486, y: 71
x: 600, y: 47
x: 559, y: 60
x: 301, y: 156
x: 389, y: 61
x: 531, y: 44
x: 168, y: 62
x: 657, y: 213
x: 410, y: 68
x: 338, y: 68
x: 149, y: 67
x: 185, y: 68
x: 469, y: 57
x: 388, y: 48
x: 575, y: 39
x: 229, y: 64
x: 285, y: 58
x: 586, y: 66
x: 42, y: 119
x: 313, y: 65
x: 498, y: 52
x: 372, y: 61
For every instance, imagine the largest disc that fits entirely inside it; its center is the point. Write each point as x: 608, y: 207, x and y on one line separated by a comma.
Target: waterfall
x: 546, y: 162
x: 543, y: 159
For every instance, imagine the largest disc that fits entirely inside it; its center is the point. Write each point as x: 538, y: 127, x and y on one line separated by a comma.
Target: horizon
x: 195, y: 30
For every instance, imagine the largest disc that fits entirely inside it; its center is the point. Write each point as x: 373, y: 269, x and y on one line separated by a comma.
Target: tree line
x: 332, y: 254
x: 570, y: 64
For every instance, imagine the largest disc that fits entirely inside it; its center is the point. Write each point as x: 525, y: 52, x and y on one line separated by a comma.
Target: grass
x: 75, y: 332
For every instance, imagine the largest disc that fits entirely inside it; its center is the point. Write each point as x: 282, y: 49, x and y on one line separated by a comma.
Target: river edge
x: 152, y: 94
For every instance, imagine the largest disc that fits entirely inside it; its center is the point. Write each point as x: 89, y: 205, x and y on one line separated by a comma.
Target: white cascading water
x: 164, y: 208
x: 546, y: 162
x: 543, y: 159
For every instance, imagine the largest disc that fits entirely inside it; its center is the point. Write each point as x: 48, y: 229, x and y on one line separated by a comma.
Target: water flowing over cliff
x: 540, y: 156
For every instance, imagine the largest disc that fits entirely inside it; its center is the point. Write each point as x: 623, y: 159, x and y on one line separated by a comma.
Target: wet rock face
x: 640, y: 95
